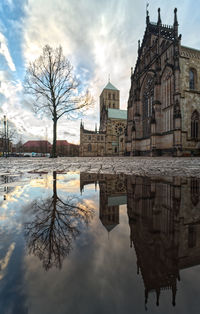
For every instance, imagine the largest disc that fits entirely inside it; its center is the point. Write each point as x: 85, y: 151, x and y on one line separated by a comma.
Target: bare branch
x: 51, y: 81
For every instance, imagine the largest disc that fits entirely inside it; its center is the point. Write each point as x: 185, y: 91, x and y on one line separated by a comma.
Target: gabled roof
x: 117, y: 114
x: 36, y: 143
x: 110, y: 227
x: 62, y: 143
x: 110, y: 86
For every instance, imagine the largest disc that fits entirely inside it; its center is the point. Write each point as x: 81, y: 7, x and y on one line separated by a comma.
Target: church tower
x: 109, y: 97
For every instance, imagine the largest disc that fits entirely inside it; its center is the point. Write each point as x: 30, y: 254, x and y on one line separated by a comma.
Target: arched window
x: 195, y: 125
x: 147, y: 106
x: 194, y: 190
x: 89, y: 147
x: 192, y: 78
x: 192, y: 236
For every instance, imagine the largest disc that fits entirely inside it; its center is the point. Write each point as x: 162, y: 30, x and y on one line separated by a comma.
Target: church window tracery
x: 194, y: 190
x: 89, y: 147
x: 195, y: 125
x: 192, y: 236
x: 192, y: 79
x: 148, y: 97
x: 167, y: 92
x: 119, y: 128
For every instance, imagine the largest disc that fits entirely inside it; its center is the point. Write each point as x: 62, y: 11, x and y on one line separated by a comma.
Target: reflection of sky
x: 100, y: 274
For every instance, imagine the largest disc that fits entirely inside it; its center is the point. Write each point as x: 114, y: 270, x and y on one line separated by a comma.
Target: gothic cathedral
x: 164, y: 98
x: 109, y: 140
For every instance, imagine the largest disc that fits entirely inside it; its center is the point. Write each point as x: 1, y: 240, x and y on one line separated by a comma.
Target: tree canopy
x: 55, y: 88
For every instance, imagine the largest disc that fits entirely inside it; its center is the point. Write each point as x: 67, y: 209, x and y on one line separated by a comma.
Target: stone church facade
x: 164, y: 98
x: 109, y: 140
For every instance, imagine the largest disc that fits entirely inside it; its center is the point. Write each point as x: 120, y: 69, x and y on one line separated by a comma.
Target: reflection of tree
x: 56, y: 223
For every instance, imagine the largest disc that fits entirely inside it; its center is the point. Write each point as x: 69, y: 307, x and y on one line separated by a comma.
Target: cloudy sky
x: 98, y: 37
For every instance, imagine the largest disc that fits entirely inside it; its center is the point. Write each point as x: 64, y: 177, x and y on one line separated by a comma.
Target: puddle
x: 96, y: 243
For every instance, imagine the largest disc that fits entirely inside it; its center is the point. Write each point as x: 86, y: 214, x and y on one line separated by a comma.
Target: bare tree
x: 56, y: 224
x: 51, y: 81
x: 19, y: 146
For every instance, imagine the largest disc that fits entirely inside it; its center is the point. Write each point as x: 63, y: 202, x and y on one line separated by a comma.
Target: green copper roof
x: 117, y: 200
x: 117, y: 114
x: 110, y: 86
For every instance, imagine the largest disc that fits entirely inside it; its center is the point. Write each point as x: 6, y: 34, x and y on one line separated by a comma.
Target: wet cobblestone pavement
x: 143, y: 166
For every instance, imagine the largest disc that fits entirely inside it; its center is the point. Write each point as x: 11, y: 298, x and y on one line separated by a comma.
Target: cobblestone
x: 145, y: 166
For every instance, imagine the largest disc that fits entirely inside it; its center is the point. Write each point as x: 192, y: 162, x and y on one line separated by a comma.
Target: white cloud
x: 95, y: 36
x: 99, y: 37
x: 4, y: 53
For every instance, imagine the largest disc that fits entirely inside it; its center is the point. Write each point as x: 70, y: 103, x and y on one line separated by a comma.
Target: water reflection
x: 56, y: 223
x: 164, y: 221
x: 160, y: 217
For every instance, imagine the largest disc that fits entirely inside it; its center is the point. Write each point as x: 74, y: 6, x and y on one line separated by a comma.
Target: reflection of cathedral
x: 164, y: 220
x: 112, y: 195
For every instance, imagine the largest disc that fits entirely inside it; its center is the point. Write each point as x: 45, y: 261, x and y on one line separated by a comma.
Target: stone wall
x: 190, y: 99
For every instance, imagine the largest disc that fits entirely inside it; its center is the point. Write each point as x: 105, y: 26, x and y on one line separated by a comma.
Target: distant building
x: 37, y: 147
x: 109, y: 140
x: 164, y: 98
x: 64, y: 148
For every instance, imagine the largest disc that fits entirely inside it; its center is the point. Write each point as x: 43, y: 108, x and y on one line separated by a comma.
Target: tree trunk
x: 54, y: 154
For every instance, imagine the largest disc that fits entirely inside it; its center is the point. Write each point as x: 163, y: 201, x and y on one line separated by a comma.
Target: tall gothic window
x: 167, y: 92
x: 192, y: 78
x: 192, y: 236
x: 195, y: 125
x: 194, y: 190
x: 89, y: 147
x: 147, y: 107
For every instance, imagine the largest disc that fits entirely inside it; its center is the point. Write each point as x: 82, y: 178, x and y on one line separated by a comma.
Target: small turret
x: 81, y: 125
x: 138, y: 47
x: 131, y: 71
x: 159, y: 18
x: 157, y: 296
x: 175, y: 23
x: 147, y: 18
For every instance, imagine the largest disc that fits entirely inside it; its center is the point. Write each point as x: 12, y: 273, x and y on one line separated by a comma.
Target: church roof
x: 110, y: 86
x: 109, y: 227
x: 117, y: 114
x: 117, y: 200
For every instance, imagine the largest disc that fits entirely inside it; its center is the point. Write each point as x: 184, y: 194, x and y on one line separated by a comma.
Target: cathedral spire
x: 157, y: 296
x: 174, y: 294
x: 175, y: 17
x: 175, y: 23
x: 159, y: 18
x: 147, y: 13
